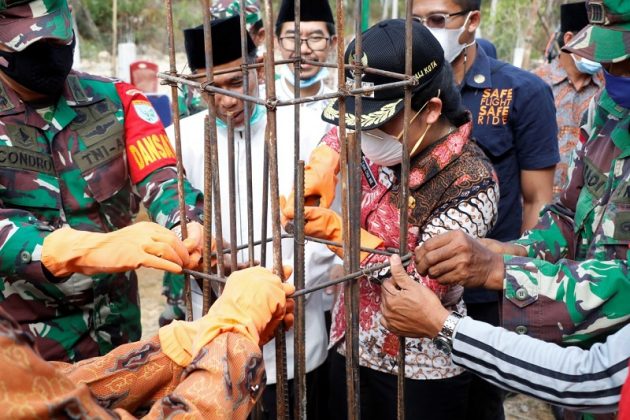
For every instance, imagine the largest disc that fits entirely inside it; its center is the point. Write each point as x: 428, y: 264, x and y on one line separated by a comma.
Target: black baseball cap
x: 384, y: 49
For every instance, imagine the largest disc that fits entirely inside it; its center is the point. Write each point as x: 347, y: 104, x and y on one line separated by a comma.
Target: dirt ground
x: 516, y: 408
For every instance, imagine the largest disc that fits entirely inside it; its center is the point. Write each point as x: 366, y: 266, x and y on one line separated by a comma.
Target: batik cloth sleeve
x: 151, y: 161
x: 137, y: 379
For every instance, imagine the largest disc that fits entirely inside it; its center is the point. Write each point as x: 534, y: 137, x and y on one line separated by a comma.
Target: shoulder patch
x: 145, y: 111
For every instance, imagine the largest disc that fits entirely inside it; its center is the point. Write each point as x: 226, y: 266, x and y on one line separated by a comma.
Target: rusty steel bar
x: 406, y: 259
x: 403, y: 203
x: 299, y: 336
x: 178, y: 146
x: 212, y: 160
x: 299, y: 332
x: 389, y: 252
x: 351, y: 252
x: 208, y: 87
x: 265, y: 206
x: 247, y: 131
x: 282, y: 401
x: 232, y: 192
x: 250, y: 66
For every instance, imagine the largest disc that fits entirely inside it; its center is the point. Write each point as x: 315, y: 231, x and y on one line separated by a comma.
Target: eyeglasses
x: 314, y: 43
x: 438, y: 20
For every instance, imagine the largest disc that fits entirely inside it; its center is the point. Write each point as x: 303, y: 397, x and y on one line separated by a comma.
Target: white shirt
x: 318, y: 257
x: 284, y: 93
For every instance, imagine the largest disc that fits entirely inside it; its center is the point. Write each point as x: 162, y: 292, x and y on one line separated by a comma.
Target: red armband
x: 148, y: 148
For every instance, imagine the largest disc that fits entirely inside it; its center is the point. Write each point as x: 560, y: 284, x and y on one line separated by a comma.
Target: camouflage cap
x: 607, y: 38
x: 228, y: 8
x: 23, y: 22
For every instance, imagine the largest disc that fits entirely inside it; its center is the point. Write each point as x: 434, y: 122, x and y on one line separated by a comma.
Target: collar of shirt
x: 73, y: 95
x: 612, y: 110
x: 557, y: 74
x: 438, y: 156
x: 479, y: 76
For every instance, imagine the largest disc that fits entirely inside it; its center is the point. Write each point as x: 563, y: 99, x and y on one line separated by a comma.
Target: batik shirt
x: 574, y: 286
x: 452, y: 186
x: 133, y: 380
x: 98, y: 152
x: 570, y: 106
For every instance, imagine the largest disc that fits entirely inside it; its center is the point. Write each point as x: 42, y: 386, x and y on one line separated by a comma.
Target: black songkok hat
x: 384, y: 49
x: 226, y: 43
x: 310, y: 10
x: 573, y: 17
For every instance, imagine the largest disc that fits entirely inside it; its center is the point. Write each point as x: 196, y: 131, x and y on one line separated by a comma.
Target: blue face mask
x: 618, y: 88
x: 259, y: 112
x: 287, y: 74
x: 586, y: 66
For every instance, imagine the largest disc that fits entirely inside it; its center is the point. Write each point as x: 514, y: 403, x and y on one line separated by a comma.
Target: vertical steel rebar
x: 232, y: 192
x: 247, y: 132
x: 352, y: 252
x: 404, y: 200
x: 282, y: 402
x: 299, y: 338
x: 211, y: 164
x: 178, y: 146
x: 299, y: 365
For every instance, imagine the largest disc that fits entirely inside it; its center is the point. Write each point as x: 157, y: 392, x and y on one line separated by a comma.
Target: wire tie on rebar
x: 206, y: 83
x: 271, y: 104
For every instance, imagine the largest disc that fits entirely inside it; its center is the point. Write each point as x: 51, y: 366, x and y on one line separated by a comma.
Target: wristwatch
x: 444, y: 340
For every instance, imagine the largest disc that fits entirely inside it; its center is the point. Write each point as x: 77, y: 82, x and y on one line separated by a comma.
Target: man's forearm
x: 576, y: 378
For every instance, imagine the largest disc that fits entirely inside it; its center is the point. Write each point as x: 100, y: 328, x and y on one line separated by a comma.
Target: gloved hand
x: 320, y: 178
x: 253, y: 303
x: 326, y: 224
x: 194, y: 244
x: 66, y: 251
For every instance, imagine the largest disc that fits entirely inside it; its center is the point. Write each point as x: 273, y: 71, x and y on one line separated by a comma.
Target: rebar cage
x: 350, y: 178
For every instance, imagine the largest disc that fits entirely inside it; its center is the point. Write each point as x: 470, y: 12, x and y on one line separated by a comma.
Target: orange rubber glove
x: 145, y: 244
x: 194, y: 244
x: 253, y: 303
x: 326, y: 224
x: 320, y: 178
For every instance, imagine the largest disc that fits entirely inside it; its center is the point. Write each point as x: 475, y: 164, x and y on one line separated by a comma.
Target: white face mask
x: 449, y: 40
x: 381, y: 148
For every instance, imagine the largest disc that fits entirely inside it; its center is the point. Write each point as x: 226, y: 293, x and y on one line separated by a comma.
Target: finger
x: 193, y: 262
x: 164, y: 251
x: 286, y: 206
x: 389, y: 287
x: 442, y: 240
x: 174, y: 243
x: 288, y: 288
x: 288, y: 321
x: 151, y: 261
x: 399, y: 275
x: 448, y: 270
x: 287, y: 270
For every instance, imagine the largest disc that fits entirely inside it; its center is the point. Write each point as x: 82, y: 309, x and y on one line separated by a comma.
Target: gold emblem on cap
x: 479, y: 78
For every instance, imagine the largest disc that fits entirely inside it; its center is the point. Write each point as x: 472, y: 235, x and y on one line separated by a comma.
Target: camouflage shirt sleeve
x: 152, y: 161
x: 566, y: 301
x: 21, y: 240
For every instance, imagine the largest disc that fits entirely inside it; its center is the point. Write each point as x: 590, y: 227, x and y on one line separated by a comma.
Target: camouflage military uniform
x: 575, y: 285
x: 190, y: 101
x: 86, y: 164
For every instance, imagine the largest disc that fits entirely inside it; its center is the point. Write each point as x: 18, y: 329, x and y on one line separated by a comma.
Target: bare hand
x: 409, y: 308
x: 503, y: 247
x: 457, y: 258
